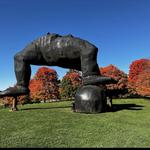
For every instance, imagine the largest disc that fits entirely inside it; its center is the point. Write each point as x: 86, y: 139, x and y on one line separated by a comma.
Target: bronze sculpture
x: 56, y: 50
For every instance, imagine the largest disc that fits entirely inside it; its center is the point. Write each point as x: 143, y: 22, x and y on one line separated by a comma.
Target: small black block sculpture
x: 90, y: 99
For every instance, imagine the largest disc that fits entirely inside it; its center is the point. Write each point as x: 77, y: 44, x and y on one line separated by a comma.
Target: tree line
x: 45, y: 84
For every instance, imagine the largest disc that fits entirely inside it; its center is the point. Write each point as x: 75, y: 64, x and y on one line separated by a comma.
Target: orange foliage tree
x: 139, y: 77
x: 143, y: 83
x: 44, y: 85
x: 70, y: 83
x: 117, y: 74
x: 8, y: 101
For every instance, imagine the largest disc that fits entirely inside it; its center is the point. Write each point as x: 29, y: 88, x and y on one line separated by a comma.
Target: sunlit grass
x: 56, y: 125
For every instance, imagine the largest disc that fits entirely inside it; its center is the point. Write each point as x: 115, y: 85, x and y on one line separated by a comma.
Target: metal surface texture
x: 67, y: 52
x: 90, y: 99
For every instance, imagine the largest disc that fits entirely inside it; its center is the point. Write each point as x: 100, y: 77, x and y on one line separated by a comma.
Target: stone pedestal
x: 90, y: 99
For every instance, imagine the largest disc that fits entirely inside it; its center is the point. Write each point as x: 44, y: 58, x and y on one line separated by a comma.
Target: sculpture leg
x: 14, y: 105
x: 89, y: 64
x: 91, y: 98
x: 22, y: 71
x: 23, y: 60
x: 109, y: 103
x: 90, y: 69
x: 29, y: 56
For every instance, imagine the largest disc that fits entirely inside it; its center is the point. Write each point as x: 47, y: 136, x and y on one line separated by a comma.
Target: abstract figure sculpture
x: 56, y: 50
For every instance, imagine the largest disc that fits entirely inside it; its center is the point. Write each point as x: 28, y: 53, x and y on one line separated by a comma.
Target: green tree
x: 66, y: 88
x: 70, y: 83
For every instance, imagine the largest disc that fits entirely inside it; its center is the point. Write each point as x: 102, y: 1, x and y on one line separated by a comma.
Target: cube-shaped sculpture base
x: 90, y: 99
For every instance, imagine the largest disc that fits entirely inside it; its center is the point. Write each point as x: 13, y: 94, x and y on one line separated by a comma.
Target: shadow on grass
x: 40, y: 108
x: 119, y: 107
x: 115, y: 107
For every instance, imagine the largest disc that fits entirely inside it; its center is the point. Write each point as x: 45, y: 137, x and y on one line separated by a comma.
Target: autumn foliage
x: 139, y: 77
x: 7, y: 101
x: 44, y: 85
x: 70, y: 83
x: 115, y: 73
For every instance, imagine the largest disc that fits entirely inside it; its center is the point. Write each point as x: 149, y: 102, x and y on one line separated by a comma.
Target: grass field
x: 55, y: 125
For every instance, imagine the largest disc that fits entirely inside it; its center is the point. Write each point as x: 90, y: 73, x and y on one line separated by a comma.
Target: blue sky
x: 119, y: 28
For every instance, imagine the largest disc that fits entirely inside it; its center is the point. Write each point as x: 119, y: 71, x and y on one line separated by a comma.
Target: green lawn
x: 55, y: 125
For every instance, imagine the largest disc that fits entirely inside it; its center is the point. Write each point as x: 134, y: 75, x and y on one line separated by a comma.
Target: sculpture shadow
x: 41, y: 108
x: 115, y: 107
x: 119, y: 107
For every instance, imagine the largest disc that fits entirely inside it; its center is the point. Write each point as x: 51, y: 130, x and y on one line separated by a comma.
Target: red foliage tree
x: 8, y: 101
x: 143, y: 83
x: 115, y: 73
x: 44, y: 84
x: 136, y: 68
x: 74, y: 76
x: 139, y: 77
